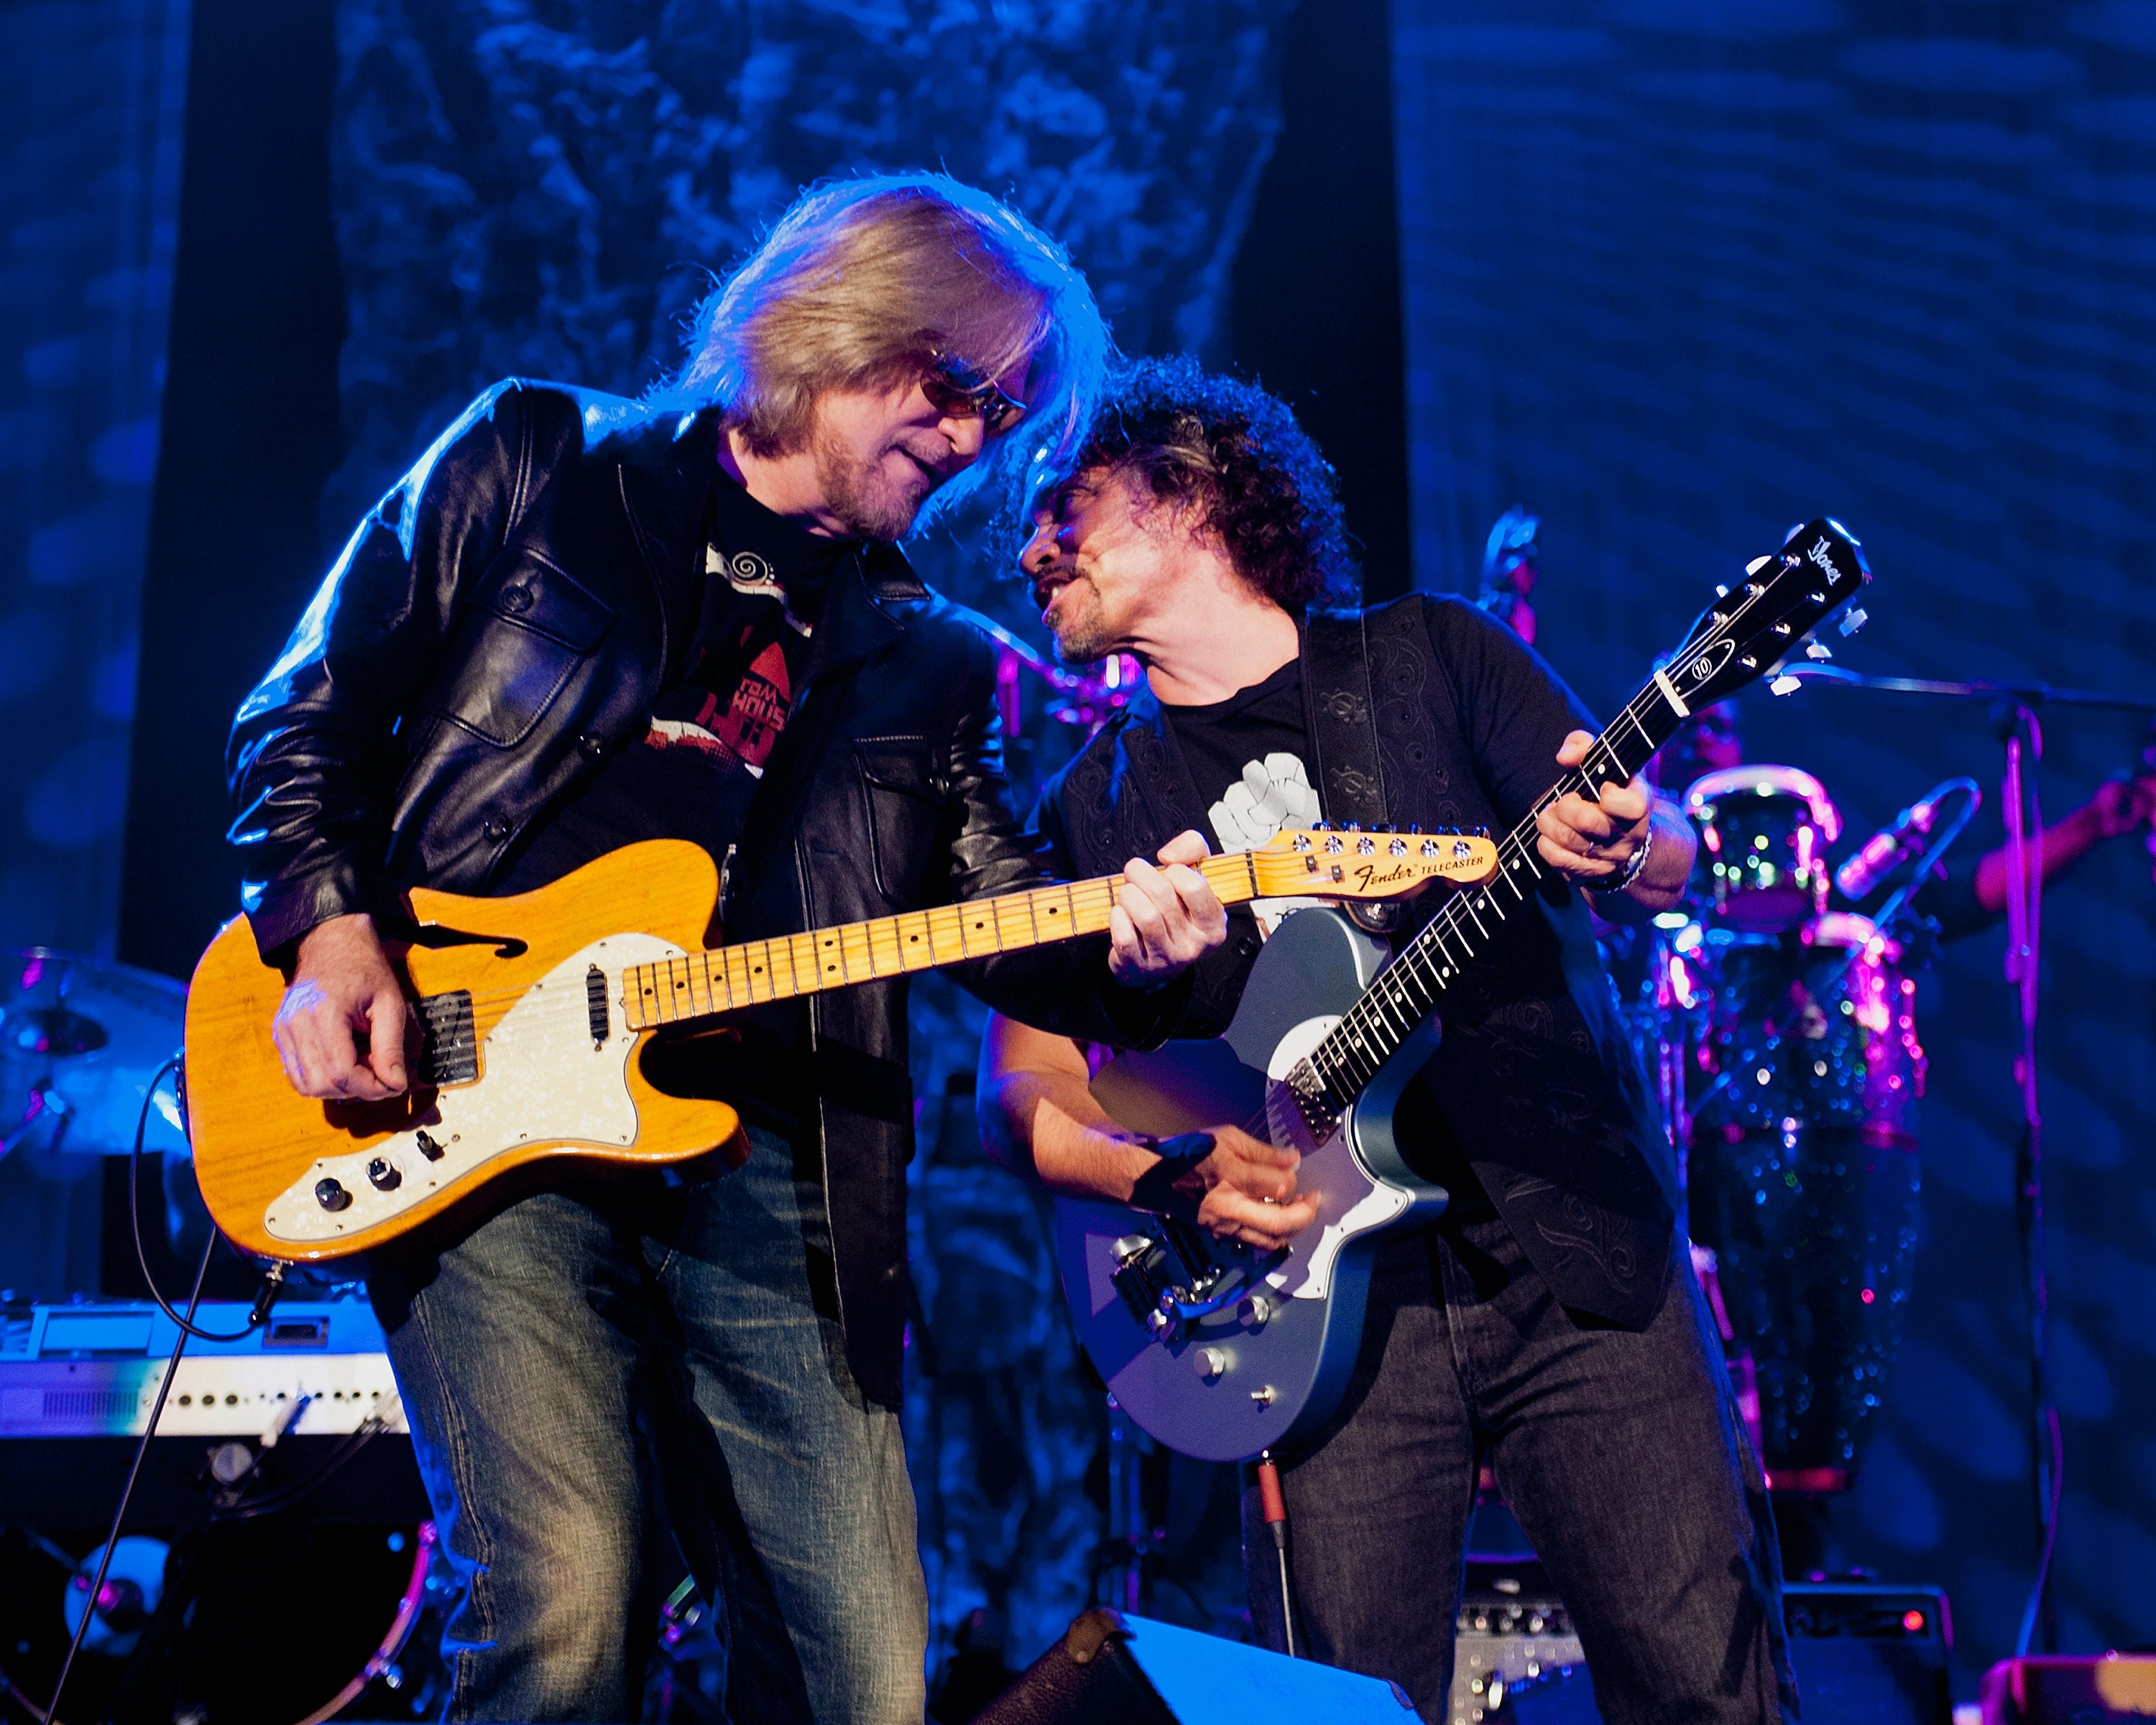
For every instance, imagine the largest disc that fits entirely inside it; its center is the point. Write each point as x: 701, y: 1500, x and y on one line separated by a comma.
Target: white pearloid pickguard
x: 1350, y: 1202
x: 541, y: 1079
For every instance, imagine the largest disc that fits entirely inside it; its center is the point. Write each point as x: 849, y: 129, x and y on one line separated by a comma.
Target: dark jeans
x: 590, y: 1366
x: 1620, y: 1452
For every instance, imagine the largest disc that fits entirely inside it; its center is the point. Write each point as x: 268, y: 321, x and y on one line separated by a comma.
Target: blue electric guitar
x: 1220, y: 1350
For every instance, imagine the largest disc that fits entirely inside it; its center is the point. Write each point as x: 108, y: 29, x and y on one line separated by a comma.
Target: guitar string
x: 1237, y: 872
x: 540, y: 1027
x: 1356, y: 1048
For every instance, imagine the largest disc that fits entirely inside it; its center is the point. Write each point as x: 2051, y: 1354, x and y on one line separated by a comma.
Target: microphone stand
x: 2023, y: 737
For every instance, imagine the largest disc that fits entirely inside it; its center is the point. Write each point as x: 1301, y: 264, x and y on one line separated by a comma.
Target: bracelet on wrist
x: 1622, y: 876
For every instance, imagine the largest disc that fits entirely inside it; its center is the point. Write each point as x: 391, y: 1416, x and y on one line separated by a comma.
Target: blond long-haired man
x: 581, y: 621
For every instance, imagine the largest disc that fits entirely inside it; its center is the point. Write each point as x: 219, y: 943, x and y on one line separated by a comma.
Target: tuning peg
x: 1785, y: 684
x: 1414, y: 829
x: 1816, y: 649
x: 1756, y: 564
x: 1721, y: 589
x: 1354, y: 826
x: 1854, y: 621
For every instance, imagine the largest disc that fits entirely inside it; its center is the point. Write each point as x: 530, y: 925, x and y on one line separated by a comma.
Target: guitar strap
x: 1342, y: 717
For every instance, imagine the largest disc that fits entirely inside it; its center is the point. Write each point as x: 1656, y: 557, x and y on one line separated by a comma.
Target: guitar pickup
x: 595, y: 1004
x: 448, y: 1048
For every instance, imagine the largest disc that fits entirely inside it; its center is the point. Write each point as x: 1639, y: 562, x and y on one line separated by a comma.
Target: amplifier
x: 1864, y: 1653
x: 1513, y: 1636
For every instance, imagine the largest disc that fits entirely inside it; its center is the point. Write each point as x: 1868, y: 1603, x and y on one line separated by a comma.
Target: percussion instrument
x: 1763, y: 836
x: 80, y: 1040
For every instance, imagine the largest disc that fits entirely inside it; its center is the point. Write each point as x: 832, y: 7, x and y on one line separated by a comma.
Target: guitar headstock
x: 1373, y: 862
x: 1749, y: 629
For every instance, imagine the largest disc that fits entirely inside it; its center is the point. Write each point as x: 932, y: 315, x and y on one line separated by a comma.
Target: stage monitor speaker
x: 1109, y: 1669
x: 2053, y: 1689
x: 1864, y: 1653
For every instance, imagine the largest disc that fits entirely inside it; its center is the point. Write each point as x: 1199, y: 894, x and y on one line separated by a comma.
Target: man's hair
x: 1233, y: 454
x: 860, y: 279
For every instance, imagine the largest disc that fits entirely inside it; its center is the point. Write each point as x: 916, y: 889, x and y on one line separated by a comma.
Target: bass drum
x: 1803, y: 1174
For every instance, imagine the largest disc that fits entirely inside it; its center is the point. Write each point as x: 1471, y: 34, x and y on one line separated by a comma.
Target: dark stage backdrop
x: 1682, y: 272
x: 91, y: 99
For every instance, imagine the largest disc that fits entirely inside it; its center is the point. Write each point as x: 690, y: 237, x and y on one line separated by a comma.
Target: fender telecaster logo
x: 1370, y: 875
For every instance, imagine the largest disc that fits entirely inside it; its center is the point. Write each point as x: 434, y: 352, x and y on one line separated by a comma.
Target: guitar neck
x: 1407, y: 990
x: 725, y: 979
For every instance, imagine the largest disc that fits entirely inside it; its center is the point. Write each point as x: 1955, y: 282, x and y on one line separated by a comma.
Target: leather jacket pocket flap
x: 535, y: 594
x: 904, y: 812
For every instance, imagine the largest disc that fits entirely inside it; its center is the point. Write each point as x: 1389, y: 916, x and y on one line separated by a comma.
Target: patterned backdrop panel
x: 1679, y: 272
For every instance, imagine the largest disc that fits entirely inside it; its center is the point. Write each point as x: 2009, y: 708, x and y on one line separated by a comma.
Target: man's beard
x: 856, y: 492
x: 1080, y: 632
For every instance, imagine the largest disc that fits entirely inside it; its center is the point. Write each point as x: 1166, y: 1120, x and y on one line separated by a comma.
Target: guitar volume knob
x: 1254, y: 1311
x: 383, y: 1175
x: 332, y: 1196
x: 1210, y: 1364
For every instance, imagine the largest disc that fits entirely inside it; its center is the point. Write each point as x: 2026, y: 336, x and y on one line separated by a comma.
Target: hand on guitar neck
x: 1593, y: 842
x: 339, y: 1030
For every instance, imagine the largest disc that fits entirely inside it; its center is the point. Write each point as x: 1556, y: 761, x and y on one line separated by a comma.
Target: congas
x: 1804, y: 1175
x: 1763, y: 836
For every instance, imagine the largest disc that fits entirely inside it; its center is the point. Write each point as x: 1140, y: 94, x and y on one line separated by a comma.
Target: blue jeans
x: 595, y: 1366
x: 1618, y: 1452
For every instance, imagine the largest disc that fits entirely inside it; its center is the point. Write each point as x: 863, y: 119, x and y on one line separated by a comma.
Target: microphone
x: 1893, y: 844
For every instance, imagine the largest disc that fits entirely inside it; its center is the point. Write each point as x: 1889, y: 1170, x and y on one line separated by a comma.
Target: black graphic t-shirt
x: 1246, y: 757
x: 693, y: 772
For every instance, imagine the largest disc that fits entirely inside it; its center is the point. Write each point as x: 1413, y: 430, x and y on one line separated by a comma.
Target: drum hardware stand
x: 1127, y: 1541
x: 2019, y: 804
x: 2018, y: 730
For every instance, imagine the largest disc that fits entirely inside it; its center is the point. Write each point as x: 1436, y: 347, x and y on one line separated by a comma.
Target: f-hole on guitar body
x: 524, y: 1051
x: 1217, y: 1349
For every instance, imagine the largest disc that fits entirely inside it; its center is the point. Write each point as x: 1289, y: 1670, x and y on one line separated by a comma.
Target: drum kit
x: 1782, y: 1038
x: 82, y: 1043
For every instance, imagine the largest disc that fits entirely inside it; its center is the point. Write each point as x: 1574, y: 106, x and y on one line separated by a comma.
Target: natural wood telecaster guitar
x: 530, y: 1014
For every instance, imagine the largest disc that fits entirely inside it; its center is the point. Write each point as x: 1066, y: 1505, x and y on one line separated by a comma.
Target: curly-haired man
x: 1547, y: 1320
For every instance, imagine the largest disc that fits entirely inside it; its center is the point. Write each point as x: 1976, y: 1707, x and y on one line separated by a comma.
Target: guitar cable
x: 273, y: 1283
x: 1274, y: 1506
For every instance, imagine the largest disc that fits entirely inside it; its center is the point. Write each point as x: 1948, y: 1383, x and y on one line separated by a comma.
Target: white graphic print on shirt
x: 1272, y: 794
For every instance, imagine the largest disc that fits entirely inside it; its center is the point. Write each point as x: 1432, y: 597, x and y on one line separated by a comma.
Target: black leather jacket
x: 503, y: 619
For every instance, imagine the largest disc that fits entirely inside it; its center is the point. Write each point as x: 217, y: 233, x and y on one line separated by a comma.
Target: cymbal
x: 81, y: 1040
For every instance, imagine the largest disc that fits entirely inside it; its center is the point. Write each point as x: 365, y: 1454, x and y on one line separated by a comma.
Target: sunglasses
x: 954, y: 387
